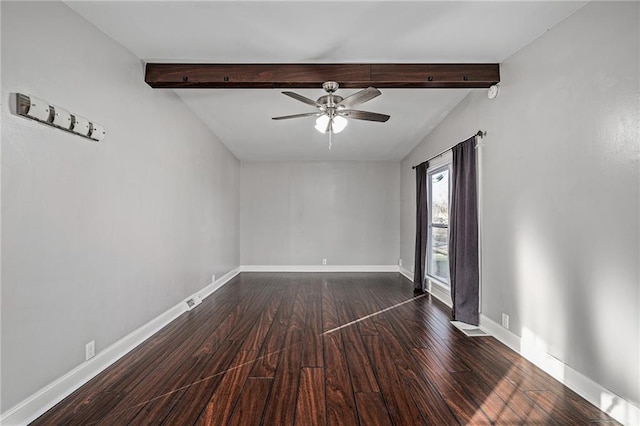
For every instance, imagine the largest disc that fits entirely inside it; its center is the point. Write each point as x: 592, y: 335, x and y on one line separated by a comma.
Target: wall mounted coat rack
x: 58, y: 117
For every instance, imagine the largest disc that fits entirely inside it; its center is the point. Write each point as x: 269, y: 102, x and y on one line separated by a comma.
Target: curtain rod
x: 481, y: 133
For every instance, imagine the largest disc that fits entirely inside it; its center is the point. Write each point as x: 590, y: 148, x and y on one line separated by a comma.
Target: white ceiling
x: 322, y: 32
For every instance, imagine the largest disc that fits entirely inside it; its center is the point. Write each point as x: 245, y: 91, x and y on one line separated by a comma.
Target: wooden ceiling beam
x: 251, y: 76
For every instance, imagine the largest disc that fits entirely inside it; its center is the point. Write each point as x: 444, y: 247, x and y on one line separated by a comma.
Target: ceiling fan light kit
x: 333, y: 110
x: 338, y: 123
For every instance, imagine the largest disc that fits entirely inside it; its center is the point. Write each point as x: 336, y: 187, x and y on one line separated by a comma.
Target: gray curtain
x: 421, y: 227
x: 463, y: 234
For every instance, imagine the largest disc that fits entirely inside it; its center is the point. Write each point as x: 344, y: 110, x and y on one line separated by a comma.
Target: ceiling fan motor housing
x: 330, y: 101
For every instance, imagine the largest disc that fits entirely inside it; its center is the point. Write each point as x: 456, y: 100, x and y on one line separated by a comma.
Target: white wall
x: 561, y: 193
x: 297, y: 213
x: 99, y: 238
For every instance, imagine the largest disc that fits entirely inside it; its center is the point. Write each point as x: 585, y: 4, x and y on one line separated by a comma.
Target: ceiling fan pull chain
x: 330, y: 142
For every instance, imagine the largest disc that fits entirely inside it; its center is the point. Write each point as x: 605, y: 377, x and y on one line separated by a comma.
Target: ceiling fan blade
x: 308, y: 114
x: 359, y: 97
x: 302, y: 99
x: 364, y: 115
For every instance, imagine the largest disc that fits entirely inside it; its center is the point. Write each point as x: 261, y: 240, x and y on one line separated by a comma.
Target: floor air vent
x: 192, y: 302
x: 469, y: 330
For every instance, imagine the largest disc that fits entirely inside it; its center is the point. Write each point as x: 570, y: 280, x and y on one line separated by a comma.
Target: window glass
x: 438, y: 242
x: 439, y: 265
x: 440, y: 197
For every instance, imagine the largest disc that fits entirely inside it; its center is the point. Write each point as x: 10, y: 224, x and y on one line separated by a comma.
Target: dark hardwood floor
x: 314, y: 348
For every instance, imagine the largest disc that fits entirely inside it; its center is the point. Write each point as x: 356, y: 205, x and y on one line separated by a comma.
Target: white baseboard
x: 439, y: 293
x: 435, y: 291
x: 607, y: 401
x: 216, y: 284
x: 319, y: 268
x: 407, y: 273
x: 37, y: 404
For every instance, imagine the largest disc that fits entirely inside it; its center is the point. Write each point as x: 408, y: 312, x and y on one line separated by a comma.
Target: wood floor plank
x: 493, y: 375
x: 92, y: 413
x: 197, y: 394
x: 310, y: 406
x: 265, y: 365
x: 321, y: 348
x: 151, y: 411
x: 341, y: 406
x: 219, y: 409
x: 372, y: 409
x: 281, y: 404
x: 313, y: 352
x: 280, y: 408
x: 161, y: 383
x: 432, y: 406
x: 402, y: 409
x: 364, y: 307
x: 250, y: 407
x: 329, y: 313
x: 198, y: 366
x: 495, y: 408
x: 220, y: 406
x: 340, y: 400
x: 569, y: 410
x: 243, y: 323
x: 587, y: 410
x: 466, y: 410
x: 362, y: 376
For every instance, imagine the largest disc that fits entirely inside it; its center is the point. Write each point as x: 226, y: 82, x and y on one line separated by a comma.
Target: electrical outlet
x: 505, y: 321
x: 399, y: 262
x: 324, y: 261
x: 90, y: 350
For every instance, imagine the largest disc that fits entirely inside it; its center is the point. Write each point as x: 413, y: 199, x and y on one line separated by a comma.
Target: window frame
x: 436, y: 166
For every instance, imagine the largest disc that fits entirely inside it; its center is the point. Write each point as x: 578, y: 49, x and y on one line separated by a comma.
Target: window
x: 438, y: 196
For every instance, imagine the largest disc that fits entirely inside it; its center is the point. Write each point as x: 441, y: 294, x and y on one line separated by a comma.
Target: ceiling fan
x: 333, y: 110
